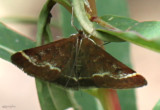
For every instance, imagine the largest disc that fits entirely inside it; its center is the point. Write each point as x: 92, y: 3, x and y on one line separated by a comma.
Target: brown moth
x: 77, y: 62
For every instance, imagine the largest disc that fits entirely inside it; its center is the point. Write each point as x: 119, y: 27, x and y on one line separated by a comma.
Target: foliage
x: 111, y: 28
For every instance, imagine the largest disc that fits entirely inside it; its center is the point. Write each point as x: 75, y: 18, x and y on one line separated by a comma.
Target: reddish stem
x: 109, y: 99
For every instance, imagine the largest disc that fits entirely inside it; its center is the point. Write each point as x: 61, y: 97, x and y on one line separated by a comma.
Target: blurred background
x: 18, y: 90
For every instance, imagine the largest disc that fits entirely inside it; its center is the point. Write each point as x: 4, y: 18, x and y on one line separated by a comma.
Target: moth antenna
x: 72, y: 20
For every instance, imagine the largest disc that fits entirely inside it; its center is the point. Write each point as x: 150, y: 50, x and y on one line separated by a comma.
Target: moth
x: 77, y: 61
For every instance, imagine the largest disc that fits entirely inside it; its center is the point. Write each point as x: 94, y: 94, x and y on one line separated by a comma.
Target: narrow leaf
x: 157, y: 106
x: 11, y: 42
x: 145, y: 34
x: 49, y: 95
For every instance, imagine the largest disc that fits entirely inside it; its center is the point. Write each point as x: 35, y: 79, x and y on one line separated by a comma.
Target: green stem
x: 43, y: 20
x: 49, y: 37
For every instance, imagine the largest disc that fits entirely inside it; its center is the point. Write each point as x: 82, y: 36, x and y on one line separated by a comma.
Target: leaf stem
x: 104, y: 24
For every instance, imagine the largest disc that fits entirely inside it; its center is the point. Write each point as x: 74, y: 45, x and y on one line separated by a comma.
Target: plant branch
x: 44, y: 20
x: 90, y: 7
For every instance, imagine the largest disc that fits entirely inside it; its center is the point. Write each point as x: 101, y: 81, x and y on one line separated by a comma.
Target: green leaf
x: 87, y: 25
x: 11, y: 42
x: 44, y: 96
x: 51, y: 97
x: 122, y: 23
x: 157, y: 106
x: 112, y: 7
x: 87, y: 101
x: 145, y: 34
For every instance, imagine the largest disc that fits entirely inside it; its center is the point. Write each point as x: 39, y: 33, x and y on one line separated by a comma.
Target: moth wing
x: 100, y: 69
x: 49, y: 61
